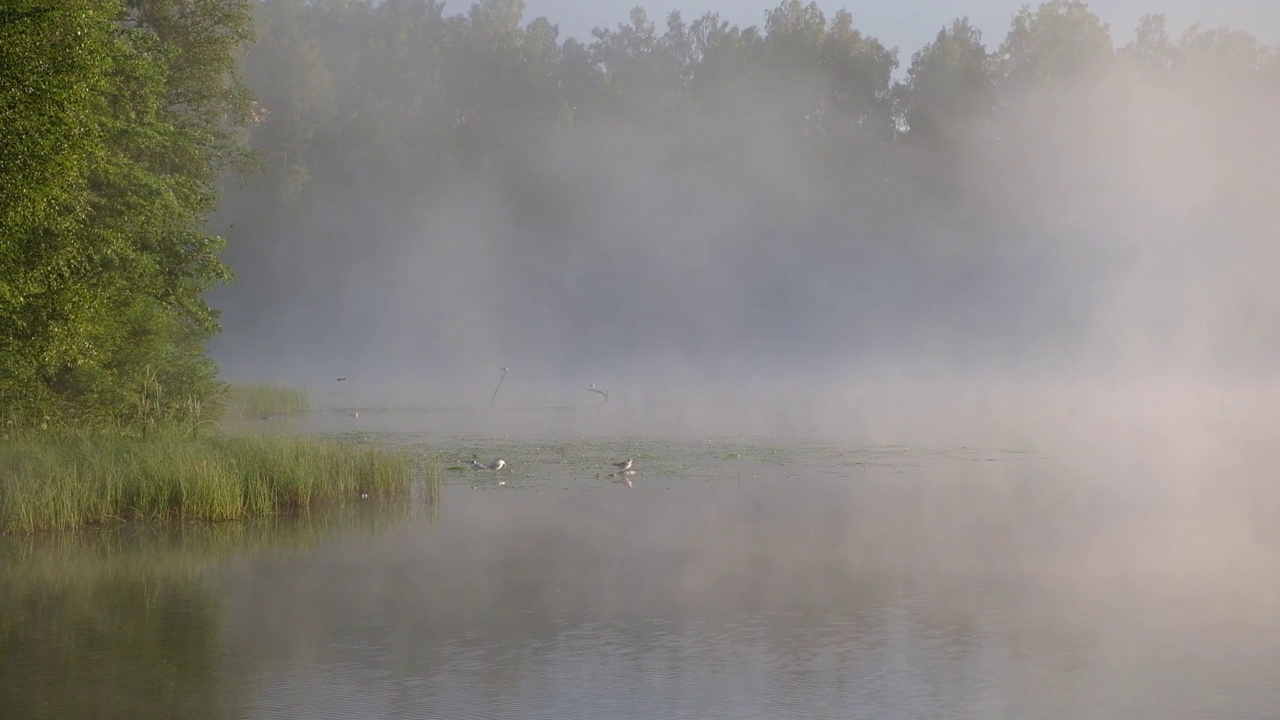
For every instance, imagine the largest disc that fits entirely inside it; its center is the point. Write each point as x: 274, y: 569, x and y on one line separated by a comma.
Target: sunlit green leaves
x: 117, y: 120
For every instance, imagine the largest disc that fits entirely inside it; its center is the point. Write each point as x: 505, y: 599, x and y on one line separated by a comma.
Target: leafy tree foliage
x: 949, y: 81
x: 1059, y: 41
x: 118, y: 124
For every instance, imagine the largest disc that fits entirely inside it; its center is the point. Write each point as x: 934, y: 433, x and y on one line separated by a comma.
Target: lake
x: 739, y: 577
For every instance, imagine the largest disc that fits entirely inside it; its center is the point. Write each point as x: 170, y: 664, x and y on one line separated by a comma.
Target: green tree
x: 859, y: 77
x: 1204, y: 54
x: 52, y: 85
x: 294, y: 89
x: 1215, y: 53
x: 1151, y: 50
x: 644, y: 73
x: 123, y: 119
x: 726, y: 56
x: 1059, y: 41
x: 948, y: 86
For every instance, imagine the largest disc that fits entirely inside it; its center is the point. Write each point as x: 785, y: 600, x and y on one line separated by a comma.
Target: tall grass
x: 67, y: 481
x: 253, y: 402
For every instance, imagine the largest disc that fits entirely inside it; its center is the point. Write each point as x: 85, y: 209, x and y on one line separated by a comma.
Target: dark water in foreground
x: 832, y: 581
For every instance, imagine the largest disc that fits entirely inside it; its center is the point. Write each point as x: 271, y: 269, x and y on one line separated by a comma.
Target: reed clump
x: 65, y: 481
x: 261, y: 401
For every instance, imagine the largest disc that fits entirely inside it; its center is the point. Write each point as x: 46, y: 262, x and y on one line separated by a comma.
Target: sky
x: 909, y: 24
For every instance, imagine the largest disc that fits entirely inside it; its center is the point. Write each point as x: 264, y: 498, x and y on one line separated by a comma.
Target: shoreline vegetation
x: 60, y: 479
x: 263, y: 401
x: 126, y: 121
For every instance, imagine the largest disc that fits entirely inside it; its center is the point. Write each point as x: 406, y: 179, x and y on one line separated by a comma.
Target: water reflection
x: 812, y: 599
x: 123, y: 622
x: 122, y: 645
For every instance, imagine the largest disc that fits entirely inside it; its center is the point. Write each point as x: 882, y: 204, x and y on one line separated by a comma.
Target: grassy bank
x: 69, y: 481
x: 256, y: 402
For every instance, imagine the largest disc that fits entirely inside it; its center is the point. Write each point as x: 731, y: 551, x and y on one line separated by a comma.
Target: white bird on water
x: 625, y: 464
x: 495, y: 465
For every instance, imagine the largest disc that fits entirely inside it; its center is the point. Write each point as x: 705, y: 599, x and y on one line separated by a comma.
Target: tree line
x: 963, y: 188
x: 401, y: 89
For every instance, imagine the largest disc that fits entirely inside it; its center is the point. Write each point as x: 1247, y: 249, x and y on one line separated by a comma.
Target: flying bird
x: 341, y: 379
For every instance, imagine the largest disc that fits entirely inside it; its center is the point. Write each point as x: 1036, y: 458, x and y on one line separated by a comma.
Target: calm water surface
x: 738, y: 578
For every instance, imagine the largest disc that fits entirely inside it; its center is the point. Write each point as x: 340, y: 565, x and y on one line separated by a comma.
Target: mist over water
x: 1039, y: 236
x: 681, y: 229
